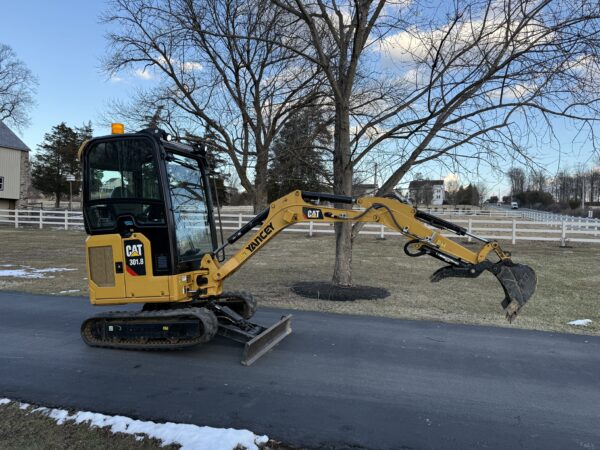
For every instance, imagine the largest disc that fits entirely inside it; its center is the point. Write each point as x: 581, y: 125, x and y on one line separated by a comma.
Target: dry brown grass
x: 27, y: 429
x: 568, y: 279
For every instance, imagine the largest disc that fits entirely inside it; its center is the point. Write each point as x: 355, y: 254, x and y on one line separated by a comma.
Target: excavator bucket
x: 265, y: 341
x: 519, y: 282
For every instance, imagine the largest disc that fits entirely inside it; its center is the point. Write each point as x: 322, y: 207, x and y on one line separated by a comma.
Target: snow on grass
x: 20, y: 273
x: 189, y: 437
x: 580, y: 322
x: 54, y: 269
x: 70, y: 291
x: 31, y: 272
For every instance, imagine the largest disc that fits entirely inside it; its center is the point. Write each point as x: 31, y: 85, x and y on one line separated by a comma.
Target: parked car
x: 514, y: 205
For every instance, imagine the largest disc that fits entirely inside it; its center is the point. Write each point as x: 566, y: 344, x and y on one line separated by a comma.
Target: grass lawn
x: 568, y: 278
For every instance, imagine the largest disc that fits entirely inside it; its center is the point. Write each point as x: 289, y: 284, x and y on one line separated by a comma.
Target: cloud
x: 190, y: 66
x: 115, y: 79
x: 451, y: 182
x: 144, y: 74
x: 415, y: 44
x: 406, y: 45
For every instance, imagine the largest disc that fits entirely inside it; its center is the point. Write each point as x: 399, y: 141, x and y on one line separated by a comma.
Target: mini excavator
x: 148, y: 211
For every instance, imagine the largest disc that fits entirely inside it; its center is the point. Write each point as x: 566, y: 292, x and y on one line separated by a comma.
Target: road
x: 338, y: 381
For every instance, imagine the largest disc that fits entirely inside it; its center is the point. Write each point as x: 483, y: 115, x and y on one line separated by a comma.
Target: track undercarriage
x: 175, y: 326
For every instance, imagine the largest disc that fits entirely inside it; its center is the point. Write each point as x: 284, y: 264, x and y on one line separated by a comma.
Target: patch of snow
x: 580, y: 322
x: 70, y: 291
x: 20, y: 273
x: 30, y: 272
x: 7, y: 265
x: 189, y: 437
x: 53, y: 269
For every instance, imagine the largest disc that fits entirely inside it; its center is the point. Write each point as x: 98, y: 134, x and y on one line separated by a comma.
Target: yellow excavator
x: 148, y: 211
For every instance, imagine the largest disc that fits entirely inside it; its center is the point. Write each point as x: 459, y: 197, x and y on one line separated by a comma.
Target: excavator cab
x: 127, y: 190
x: 147, y: 209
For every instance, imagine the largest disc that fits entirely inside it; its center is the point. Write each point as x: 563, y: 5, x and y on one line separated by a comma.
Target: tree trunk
x: 57, y: 200
x: 260, y: 201
x: 342, y: 184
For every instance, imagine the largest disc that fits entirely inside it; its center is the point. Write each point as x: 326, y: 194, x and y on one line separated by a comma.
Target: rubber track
x: 207, y: 318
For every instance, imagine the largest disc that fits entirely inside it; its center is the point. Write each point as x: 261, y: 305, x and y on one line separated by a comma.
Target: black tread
x: 207, y: 318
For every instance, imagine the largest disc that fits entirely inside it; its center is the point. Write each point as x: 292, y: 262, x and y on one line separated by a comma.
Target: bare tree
x: 470, y: 84
x: 240, y: 91
x: 17, y: 88
x: 537, y: 180
x: 517, y: 179
x: 338, y: 34
x: 483, y: 191
x: 473, y: 81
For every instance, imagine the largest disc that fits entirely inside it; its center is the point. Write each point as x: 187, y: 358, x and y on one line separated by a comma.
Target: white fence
x: 42, y: 218
x: 508, y: 228
x: 543, y: 216
x: 511, y: 228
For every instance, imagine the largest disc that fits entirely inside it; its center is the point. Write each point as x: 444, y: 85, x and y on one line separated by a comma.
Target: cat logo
x: 134, y: 250
x: 312, y: 213
x: 135, y: 263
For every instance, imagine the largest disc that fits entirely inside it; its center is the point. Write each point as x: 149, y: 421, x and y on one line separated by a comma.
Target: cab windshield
x: 122, y: 180
x: 190, y: 208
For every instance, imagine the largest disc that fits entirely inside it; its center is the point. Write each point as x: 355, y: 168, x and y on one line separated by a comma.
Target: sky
x: 64, y: 42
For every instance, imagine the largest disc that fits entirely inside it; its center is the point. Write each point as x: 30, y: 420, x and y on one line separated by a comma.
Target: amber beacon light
x: 117, y: 128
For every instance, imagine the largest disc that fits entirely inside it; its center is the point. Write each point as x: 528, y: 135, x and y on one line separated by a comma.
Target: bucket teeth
x: 518, y: 281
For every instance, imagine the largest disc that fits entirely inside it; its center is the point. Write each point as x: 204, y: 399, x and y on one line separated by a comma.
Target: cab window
x: 190, y: 208
x: 123, y: 171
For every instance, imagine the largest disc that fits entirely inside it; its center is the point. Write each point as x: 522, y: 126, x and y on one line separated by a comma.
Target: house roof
x: 8, y: 139
x: 417, y: 184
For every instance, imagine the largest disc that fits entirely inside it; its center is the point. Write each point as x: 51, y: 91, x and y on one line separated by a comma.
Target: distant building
x: 364, y: 190
x: 14, y: 169
x: 426, y: 192
x: 230, y: 193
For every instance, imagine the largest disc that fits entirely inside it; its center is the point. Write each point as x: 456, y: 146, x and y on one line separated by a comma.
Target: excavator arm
x: 424, y: 233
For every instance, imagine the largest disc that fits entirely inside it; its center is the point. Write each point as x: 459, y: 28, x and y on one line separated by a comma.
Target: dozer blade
x: 265, y: 341
x: 519, y: 282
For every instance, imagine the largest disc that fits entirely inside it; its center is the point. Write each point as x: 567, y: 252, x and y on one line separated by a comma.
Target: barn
x: 14, y: 169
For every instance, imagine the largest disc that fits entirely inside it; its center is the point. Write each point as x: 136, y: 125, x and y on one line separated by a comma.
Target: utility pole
x: 375, y: 178
x: 70, y: 179
x: 583, y: 191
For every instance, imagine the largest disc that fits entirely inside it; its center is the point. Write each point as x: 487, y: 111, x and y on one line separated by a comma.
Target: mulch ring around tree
x: 324, y: 290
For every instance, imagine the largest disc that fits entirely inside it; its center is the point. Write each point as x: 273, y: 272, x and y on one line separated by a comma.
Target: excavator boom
x: 422, y: 229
